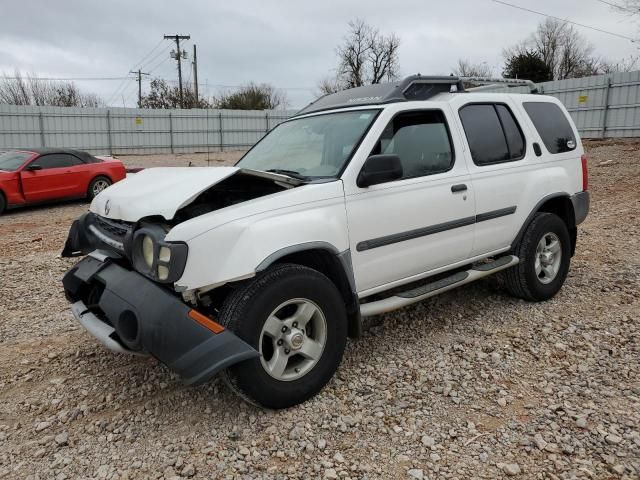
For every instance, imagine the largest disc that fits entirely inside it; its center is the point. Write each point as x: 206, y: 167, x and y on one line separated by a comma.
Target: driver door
x: 424, y: 220
x: 56, y: 178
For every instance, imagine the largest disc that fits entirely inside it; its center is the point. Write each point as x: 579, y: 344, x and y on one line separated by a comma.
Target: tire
x: 97, y: 185
x: 285, y: 290
x: 532, y: 280
x: 3, y: 203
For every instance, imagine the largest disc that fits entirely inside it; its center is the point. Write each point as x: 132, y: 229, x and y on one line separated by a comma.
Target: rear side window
x: 552, y: 125
x: 493, y: 133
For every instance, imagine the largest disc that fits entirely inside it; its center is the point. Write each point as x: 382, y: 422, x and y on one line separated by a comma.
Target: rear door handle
x: 461, y: 187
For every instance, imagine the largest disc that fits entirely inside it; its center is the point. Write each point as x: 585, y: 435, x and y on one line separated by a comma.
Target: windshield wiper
x: 288, y: 173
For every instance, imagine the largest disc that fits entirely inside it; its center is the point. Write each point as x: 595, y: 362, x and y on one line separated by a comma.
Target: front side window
x: 552, y: 125
x: 421, y: 140
x: 56, y: 160
x: 493, y: 133
x: 311, y: 147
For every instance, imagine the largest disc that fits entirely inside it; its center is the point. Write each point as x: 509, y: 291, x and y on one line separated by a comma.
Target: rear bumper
x: 581, y: 203
x: 127, y: 312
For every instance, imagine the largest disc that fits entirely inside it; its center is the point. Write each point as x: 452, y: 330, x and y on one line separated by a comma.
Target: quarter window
x: 421, y: 140
x: 552, y: 125
x: 493, y: 133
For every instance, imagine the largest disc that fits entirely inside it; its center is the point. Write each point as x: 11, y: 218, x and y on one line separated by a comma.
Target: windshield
x: 311, y: 147
x: 11, y: 161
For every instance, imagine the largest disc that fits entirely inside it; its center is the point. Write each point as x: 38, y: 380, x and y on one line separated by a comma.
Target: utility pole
x: 195, y: 74
x: 178, y: 55
x: 139, y: 74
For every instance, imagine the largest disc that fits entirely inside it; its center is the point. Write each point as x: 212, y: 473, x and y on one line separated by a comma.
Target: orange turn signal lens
x: 206, y: 322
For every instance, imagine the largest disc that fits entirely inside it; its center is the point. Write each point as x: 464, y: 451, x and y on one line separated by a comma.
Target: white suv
x: 365, y: 201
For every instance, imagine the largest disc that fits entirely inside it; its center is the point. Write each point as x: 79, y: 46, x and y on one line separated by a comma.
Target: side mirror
x: 379, y: 169
x: 33, y: 167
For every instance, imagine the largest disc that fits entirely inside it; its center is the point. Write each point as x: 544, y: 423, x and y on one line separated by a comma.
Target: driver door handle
x: 461, y: 187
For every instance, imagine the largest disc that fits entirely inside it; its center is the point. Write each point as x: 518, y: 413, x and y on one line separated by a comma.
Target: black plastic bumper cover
x: 580, y: 202
x: 165, y: 329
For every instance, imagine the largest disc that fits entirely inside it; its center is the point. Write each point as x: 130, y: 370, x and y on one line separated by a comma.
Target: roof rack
x: 415, y: 87
x: 488, y: 83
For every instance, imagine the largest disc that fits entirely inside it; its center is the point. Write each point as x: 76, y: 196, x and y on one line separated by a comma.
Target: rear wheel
x: 295, y: 317
x: 3, y: 203
x: 545, y: 254
x: 96, y: 186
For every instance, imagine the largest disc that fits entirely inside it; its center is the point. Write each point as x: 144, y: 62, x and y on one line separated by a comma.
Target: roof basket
x: 488, y: 83
x: 415, y: 87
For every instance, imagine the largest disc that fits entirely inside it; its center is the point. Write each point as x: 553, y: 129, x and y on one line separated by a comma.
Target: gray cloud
x: 288, y: 43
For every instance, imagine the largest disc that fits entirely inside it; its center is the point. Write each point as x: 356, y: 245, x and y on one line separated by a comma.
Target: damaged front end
x: 127, y: 312
x: 123, y: 292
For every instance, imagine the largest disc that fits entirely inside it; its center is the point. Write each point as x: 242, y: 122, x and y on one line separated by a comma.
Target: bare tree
x: 465, y: 68
x: 562, y: 48
x: 328, y: 85
x: 31, y: 90
x: 624, y: 65
x: 365, y: 57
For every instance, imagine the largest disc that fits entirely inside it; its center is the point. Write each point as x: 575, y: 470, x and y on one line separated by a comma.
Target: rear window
x: 552, y: 125
x: 493, y: 133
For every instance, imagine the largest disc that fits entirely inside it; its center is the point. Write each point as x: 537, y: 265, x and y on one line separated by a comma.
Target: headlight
x: 147, y: 250
x: 159, y: 260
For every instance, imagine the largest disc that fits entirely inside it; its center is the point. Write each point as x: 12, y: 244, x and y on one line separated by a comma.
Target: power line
x: 141, y: 62
x: 565, y: 20
x: 72, y: 79
x: 620, y: 7
x: 162, y: 52
x: 137, y: 64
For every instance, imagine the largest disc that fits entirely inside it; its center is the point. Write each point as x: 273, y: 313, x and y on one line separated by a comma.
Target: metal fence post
x: 605, y: 113
x: 266, y: 121
x: 109, y: 141
x: 41, y: 120
x: 221, y: 130
x: 171, y: 131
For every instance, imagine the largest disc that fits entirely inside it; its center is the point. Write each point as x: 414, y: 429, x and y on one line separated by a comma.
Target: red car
x: 44, y: 174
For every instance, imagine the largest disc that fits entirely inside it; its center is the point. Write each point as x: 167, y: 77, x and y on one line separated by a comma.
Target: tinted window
x: 56, y: 160
x: 493, y: 133
x: 552, y: 125
x: 512, y: 132
x: 484, y: 134
x: 421, y: 140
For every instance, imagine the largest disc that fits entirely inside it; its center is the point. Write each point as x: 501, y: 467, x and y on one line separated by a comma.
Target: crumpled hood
x: 157, y: 191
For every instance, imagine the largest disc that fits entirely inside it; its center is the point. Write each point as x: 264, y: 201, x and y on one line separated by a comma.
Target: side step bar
x: 439, y: 286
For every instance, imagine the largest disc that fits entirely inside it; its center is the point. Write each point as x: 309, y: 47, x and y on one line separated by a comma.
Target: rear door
x: 504, y: 169
x: 59, y: 176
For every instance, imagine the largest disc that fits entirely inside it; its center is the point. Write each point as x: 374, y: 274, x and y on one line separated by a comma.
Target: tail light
x: 585, y: 173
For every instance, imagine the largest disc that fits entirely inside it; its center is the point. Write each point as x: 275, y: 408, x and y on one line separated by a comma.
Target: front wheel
x: 295, y: 317
x: 545, y: 254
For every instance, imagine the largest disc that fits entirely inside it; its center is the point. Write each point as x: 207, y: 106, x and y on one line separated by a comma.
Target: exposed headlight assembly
x: 153, y: 257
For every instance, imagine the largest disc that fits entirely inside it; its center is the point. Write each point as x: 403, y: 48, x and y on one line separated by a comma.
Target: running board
x: 439, y: 286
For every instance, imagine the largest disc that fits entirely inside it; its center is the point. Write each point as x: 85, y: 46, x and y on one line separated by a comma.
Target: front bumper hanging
x: 127, y: 312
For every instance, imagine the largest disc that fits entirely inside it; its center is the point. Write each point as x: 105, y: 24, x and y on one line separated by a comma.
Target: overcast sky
x: 288, y: 43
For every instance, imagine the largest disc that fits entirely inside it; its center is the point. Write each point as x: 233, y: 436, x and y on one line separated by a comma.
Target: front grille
x: 116, y: 229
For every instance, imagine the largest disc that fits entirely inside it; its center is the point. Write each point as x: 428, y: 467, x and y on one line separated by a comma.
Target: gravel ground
x: 471, y: 384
